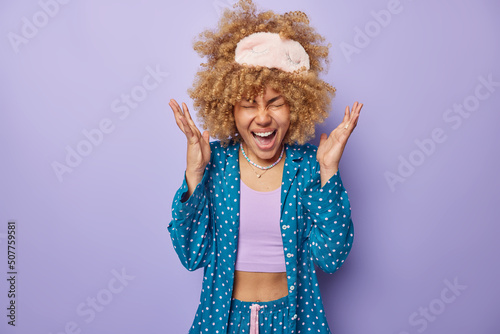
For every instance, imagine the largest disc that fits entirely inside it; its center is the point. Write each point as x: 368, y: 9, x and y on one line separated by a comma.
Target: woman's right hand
x: 198, y: 145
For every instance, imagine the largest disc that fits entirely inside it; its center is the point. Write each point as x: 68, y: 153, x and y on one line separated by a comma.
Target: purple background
x: 109, y: 214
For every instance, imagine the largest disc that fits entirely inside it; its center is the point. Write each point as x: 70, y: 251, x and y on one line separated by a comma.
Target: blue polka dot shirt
x: 316, y: 228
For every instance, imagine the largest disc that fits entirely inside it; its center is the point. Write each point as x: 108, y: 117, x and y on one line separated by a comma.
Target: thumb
x: 322, y: 138
x: 206, y: 136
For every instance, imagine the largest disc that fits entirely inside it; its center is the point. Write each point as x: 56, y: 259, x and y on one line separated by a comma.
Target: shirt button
x: 292, y: 288
x: 289, y: 255
x: 284, y: 227
x: 294, y: 317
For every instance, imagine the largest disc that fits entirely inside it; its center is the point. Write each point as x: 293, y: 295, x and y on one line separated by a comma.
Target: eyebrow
x: 274, y: 99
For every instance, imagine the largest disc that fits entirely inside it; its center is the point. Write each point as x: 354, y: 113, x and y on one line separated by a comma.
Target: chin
x: 268, y: 154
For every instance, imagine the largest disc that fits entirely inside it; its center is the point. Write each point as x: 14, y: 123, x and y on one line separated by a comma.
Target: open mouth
x: 264, y: 139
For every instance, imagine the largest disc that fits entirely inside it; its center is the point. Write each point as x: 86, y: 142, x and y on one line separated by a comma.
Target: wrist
x: 192, y: 180
x: 329, y: 169
x: 195, y: 172
x: 327, y: 172
x: 193, y: 177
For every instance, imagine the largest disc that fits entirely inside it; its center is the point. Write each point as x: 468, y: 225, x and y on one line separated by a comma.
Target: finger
x: 357, y: 107
x: 175, y: 107
x: 346, y: 114
x: 206, y: 147
x: 354, y: 108
x: 177, y: 114
x: 186, y: 113
x: 187, y: 129
x: 345, y: 120
x: 206, y: 136
x: 355, y: 115
x: 191, y: 132
x: 190, y: 120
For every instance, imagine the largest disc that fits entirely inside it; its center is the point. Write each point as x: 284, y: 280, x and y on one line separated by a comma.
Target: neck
x: 262, y: 163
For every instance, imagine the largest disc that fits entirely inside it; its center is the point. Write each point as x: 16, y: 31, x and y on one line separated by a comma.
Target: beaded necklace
x: 262, y: 167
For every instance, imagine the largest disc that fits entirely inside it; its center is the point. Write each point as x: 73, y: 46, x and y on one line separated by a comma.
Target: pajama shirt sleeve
x: 329, y: 212
x: 191, y: 227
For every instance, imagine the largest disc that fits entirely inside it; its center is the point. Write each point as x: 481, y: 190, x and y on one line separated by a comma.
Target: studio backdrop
x: 90, y: 159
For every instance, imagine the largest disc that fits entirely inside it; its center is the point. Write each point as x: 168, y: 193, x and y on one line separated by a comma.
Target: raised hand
x: 331, y: 147
x: 198, y: 145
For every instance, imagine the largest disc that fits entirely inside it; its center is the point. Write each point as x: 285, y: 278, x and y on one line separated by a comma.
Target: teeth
x: 263, y: 134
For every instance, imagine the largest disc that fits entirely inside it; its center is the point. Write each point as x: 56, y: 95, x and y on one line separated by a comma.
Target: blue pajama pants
x: 273, y: 317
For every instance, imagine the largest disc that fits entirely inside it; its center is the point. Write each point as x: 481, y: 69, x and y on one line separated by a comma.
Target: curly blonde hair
x: 221, y: 82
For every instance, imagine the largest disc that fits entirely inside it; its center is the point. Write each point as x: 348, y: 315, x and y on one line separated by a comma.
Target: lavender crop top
x: 260, y: 247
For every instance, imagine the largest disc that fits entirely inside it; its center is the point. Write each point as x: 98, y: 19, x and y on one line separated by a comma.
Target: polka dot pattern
x: 316, y: 230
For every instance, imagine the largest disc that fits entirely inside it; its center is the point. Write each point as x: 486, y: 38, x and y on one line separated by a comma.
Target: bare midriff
x: 262, y: 287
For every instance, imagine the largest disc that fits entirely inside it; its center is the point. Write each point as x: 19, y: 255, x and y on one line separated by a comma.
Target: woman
x: 259, y: 208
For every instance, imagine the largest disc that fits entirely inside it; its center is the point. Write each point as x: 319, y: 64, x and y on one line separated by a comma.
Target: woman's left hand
x: 331, y: 147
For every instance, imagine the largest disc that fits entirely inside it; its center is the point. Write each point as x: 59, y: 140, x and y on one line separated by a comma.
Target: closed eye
x: 276, y: 105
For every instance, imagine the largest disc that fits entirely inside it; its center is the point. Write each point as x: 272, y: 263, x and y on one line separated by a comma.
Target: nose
x: 263, y: 116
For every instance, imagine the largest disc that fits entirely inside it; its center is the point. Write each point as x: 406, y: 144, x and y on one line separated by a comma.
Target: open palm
x: 331, y: 147
x: 198, y: 145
